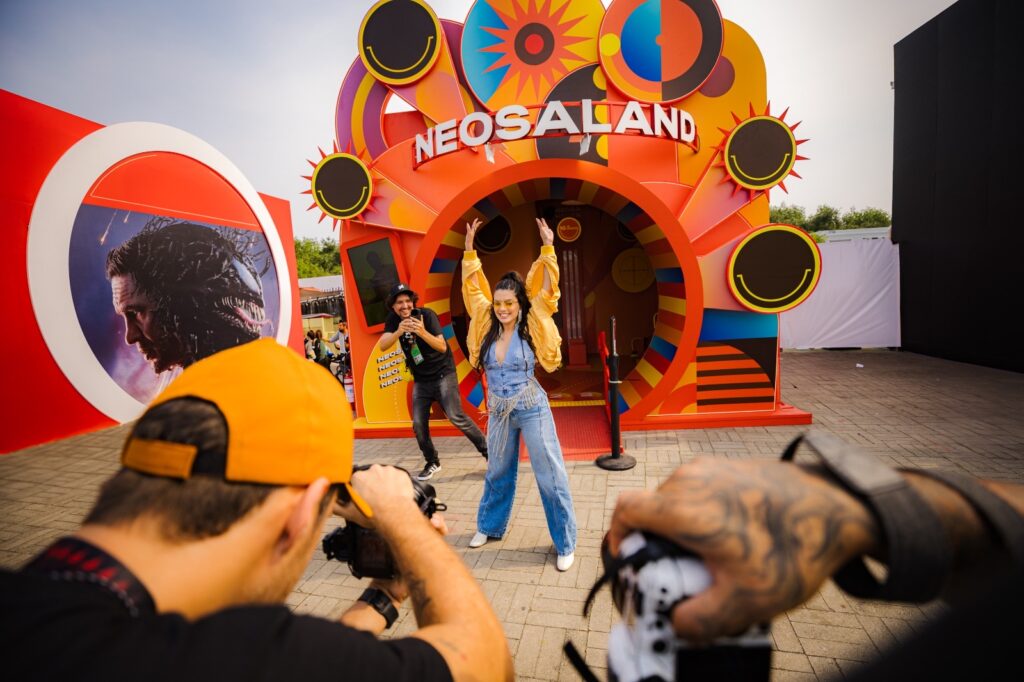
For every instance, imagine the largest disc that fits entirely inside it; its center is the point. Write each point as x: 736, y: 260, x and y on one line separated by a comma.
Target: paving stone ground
x: 911, y: 410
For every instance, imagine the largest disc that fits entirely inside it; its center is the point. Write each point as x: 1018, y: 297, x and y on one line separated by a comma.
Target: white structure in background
x: 857, y: 301
x: 325, y: 284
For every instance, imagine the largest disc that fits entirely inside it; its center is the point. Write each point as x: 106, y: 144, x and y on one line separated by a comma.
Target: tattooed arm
x: 451, y: 610
x: 771, y: 533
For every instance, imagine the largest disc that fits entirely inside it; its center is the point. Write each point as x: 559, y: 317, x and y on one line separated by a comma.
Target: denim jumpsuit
x: 517, y: 405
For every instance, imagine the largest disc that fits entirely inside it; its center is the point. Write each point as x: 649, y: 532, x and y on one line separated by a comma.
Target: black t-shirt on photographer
x: 434, y: 365
x: 69, y: 627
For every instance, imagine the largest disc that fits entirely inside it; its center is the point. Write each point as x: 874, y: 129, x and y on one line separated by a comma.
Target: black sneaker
x: 428, y: 471
x: 484, y: 455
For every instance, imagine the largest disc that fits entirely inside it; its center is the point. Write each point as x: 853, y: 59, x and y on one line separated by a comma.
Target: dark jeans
x: 446, y: 392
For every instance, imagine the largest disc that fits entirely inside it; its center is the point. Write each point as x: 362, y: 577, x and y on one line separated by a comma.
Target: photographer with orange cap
x: 182, y: 566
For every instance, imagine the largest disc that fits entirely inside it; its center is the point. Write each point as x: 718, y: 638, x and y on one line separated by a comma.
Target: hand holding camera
x: 360, y: 543
x: 412, y: 325
x: 769, y: 533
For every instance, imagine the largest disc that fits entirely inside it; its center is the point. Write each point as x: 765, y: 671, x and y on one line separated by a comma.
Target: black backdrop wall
x: 958, y: 205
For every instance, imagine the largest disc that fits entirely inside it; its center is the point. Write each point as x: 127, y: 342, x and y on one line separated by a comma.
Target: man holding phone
x: 433, y: 370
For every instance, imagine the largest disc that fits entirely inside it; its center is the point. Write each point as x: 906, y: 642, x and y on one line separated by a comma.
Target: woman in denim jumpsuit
x: 508, y: 335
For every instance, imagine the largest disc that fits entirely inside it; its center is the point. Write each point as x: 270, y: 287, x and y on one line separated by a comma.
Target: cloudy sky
x: 258, y: 79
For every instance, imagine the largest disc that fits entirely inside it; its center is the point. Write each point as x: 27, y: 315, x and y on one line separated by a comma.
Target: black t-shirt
x: 55, y: 629
x: 435, y: 365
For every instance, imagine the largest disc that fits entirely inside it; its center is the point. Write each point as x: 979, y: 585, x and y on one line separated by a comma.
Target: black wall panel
x: 957, y: 147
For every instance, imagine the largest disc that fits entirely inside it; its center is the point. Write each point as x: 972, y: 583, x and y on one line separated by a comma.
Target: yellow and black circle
x: 400, y: 40
x: 760, y: 152
x: 342, y: 186
x: 774, y: 268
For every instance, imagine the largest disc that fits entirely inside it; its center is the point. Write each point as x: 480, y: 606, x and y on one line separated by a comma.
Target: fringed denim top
x: 511, y: 385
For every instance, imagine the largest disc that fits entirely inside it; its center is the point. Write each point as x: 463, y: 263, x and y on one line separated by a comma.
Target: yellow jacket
x: 476, y: 294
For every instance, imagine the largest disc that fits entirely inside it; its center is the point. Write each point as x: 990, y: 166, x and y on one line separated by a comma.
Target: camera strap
x: 578, y: 662
x: 73, y: 560
x: 918, y: 553
x: 1002, y: 520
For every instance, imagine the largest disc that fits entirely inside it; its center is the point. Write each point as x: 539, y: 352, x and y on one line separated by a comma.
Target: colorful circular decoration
x: 632, y: 271
x: 774, y: 268
x: 569, y: 229
x: 586, y: 82
x: 513, y: 51
x: 760, y: 152
x: 660, y: 50
x: 342, y: 186
x: 399, y: 40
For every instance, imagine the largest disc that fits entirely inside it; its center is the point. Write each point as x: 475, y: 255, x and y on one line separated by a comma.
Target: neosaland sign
x: 513, y: 122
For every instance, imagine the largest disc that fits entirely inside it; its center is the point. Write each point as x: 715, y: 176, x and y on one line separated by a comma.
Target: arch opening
x: 625, y: 264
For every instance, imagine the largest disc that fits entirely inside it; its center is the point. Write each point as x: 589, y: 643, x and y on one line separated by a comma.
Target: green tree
x: 869, y: 217
x: 788, y: 215
x: 825, y: 218
x: 317, y: 257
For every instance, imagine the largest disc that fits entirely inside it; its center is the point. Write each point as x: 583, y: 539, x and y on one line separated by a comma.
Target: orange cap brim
x: 358, y: 501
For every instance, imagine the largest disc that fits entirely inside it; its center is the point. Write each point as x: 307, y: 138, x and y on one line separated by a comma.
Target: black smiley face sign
x: 774, y: 269
x: 399, y: 41
x: 342, y: 186
x: 760, y: 152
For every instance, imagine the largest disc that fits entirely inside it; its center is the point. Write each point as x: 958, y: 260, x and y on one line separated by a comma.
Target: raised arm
x: 542, y: 280
x: 476, y: 293
x: 547, y: 238
x: 542, y: 288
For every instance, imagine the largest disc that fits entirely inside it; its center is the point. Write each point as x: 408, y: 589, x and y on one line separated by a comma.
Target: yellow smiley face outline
x: 751, y: 181
x: 424, y: 64
x: 743, y: 283
x: 364, y: 195
x: 743, y: 297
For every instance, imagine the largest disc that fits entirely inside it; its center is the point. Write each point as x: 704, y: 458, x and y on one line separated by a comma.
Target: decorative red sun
x: 759, y: 152
x: 539, y: 44
x: 341, y: 186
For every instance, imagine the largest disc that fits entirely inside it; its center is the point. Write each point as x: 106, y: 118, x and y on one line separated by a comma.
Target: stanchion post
x: 615, y: 461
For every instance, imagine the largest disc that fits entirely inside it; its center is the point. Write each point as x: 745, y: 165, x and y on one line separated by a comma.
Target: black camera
x: 363, y: 549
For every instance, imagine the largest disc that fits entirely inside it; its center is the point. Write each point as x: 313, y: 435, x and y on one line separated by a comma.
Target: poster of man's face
x: 153, y: 294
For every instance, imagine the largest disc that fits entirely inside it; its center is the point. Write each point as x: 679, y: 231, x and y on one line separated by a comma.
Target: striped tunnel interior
x: 668, y: 277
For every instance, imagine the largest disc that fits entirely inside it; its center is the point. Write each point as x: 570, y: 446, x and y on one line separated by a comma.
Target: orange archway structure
x: 658, y: 167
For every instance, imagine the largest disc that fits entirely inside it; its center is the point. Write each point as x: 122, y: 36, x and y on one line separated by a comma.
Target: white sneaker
x: 479, y: 540
x: 562, y: 563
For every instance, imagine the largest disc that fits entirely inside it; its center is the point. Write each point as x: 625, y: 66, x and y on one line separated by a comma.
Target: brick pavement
x: 909, y: 409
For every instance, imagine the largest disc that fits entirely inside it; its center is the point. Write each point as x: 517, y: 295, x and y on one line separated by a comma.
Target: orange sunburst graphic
x: 341, y: 185
x: 533, y: 44
x: 759, y: 152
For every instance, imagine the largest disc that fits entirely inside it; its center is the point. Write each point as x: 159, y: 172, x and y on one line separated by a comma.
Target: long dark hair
x: 510, y: 281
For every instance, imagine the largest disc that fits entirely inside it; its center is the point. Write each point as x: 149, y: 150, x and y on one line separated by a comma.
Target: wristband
x: 381, y: 603
x: 919, y: 557
x: 997, y: 514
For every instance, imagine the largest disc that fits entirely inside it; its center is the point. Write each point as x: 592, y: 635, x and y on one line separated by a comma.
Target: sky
x: 258, y: 79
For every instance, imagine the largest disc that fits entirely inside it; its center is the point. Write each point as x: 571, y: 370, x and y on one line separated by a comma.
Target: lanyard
x: 74, y: 560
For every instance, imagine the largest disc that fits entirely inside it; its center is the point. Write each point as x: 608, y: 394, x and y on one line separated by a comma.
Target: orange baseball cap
x: 288, y: 420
